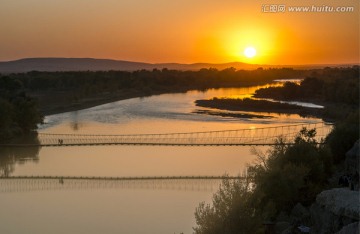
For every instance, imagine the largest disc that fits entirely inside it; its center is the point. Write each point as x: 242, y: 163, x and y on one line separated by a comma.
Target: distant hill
x: 90, y: 64
x: 69, y: 64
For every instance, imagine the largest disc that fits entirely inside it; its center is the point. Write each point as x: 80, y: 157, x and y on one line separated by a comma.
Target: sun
x: 250, y: 52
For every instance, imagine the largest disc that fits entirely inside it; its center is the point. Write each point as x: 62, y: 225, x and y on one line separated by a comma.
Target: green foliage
x: 107, y: 80
x: 343, y: 136
x: 58, y: 91
x: 88, y: 83
x: 296, y: 172
x: 6, y: 119
x: 286, y: 175
x: 335, y: 85
x: 19, y: 113
x: 231, y: 211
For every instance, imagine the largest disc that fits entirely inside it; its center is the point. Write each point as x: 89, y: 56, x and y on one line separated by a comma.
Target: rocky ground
x: 336, y: 210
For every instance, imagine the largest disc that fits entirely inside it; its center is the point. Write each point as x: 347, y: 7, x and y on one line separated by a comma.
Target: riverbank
x: 56, y: 102
x: 60, y: 102
x: 248, y: 104
x: 232, y: 115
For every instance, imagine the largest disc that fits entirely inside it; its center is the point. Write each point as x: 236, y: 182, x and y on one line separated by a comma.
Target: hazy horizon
x: 174, y: 62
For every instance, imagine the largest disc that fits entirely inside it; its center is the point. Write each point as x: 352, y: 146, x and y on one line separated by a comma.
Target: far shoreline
x: 85, y: 103
x: 52, y: 103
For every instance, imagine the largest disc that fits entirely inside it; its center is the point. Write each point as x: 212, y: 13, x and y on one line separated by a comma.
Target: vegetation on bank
x: 232, y: 114
x: 248, y: 104
x: 330, y: 85
x: 63, y: 91
x: 284, y: 176
x: 19, y: 113
x: 335, y: 88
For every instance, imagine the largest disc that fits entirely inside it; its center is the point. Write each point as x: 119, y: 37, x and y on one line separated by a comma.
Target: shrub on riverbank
x: 232, y: 210
x: 286, y: 175
x: 344, y: 135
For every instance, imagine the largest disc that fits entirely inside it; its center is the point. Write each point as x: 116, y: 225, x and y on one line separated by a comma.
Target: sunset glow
x: 177, y: 31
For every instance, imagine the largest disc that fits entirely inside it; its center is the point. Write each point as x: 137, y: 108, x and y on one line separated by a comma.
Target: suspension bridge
x: 238, y: 137
x: 44, y: 183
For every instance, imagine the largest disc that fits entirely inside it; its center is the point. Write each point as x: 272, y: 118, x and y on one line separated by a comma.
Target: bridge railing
x: 252, y: 136
x: 35, y: 183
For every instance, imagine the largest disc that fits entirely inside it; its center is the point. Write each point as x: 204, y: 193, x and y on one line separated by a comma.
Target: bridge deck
x: 45, y: 183
x: 239, y: 137
x: 120, y: 178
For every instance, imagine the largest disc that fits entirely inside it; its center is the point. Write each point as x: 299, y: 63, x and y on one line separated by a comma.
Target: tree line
x: 335, y: 85
x: 155, y: 79
x: 59, y: 91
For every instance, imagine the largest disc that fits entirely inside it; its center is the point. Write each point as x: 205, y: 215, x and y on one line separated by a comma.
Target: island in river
x: 253, y: 105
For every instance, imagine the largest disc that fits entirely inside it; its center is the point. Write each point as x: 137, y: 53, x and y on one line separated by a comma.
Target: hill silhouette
x: 91, y: 64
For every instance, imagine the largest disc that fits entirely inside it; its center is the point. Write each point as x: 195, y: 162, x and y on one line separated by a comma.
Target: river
x: 129, y: 209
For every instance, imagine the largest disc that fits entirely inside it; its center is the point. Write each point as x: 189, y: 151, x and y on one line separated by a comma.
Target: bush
x: 285, y: 176
x: 19, y: 113
x: 231, y: 212
x: 343, y: 136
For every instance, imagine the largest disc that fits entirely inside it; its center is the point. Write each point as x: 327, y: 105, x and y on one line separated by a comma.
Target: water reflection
x: 75, y: 124
x: 162, y: 114
x: 10, y: 156
x: 125, y: 210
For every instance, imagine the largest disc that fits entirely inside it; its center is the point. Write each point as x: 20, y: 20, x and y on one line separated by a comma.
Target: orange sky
x: 184, y: 31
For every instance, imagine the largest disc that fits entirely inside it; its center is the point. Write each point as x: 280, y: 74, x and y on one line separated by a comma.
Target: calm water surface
x: 133, y: 209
